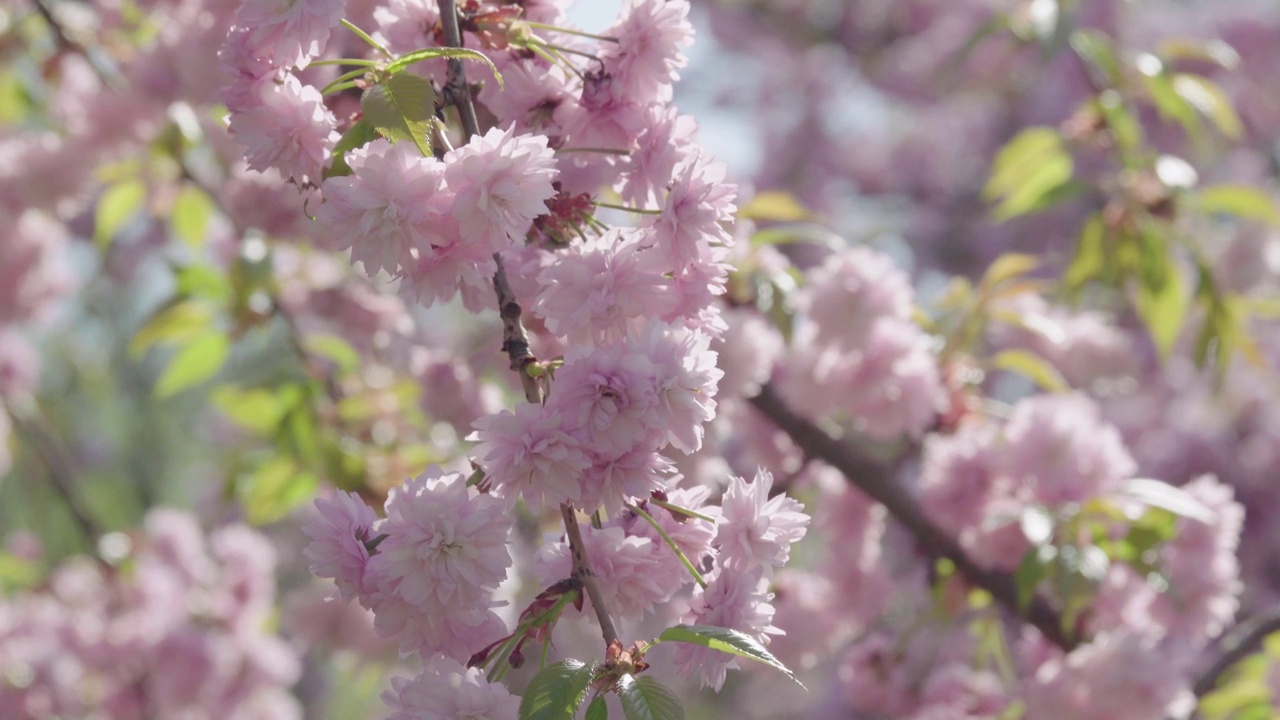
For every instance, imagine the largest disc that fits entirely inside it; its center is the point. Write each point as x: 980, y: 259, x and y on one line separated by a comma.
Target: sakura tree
x: 490, y: 393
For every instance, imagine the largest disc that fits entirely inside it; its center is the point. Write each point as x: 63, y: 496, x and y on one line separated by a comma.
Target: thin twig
x: 877, y: 482
x: 456, y: 90
x: 1242, y: 640
x: 515, y: 341
x: 582, y: 572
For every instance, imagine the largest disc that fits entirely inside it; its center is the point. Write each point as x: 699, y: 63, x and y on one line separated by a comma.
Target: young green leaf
x: 358, y: 135
x: 117, y: 205
x: 189, y: 216
x: 598, y: 709
x: 274, y: 488
x: 401, y: 108
x: 728, y: 641
x: 1211, y: 100
x: 1031, y: 366
x: 645, y: 698
x: 1029, y: 173
x: 197, y: 361
x: 177, y: 323
x: 1239, y: 200
x: 556, y: 692
x: 405, y: 61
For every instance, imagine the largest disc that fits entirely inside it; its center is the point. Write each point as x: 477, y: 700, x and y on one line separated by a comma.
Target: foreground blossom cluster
x: 176, y: 626
x: 673, y: 330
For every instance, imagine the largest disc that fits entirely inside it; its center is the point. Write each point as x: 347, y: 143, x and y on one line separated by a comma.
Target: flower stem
x: 697, y: 576
x: 624, y: 208
x: 365, y: 37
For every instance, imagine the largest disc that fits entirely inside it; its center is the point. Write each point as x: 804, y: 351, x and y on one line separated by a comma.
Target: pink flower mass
x: 446, y: 360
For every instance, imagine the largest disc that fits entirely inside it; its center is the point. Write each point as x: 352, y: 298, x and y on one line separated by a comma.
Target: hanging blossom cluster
x: 173, y: 627
x: 630, y: 310
x: 860, y: 355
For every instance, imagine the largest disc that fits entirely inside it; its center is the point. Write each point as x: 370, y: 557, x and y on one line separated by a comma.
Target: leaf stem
x: 624, y: 208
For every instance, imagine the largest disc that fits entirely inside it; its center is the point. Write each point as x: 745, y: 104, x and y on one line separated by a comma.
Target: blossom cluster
x: 175, y: 628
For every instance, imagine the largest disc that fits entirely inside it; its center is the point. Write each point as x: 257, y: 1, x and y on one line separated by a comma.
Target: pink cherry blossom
x: 290, y: 32
x: 445, y: 690
x: 608, y: 397
x: 851, y: 292
x: 735, y: 600
x: 339, y: 535
x: 288, y: 129
x: 754, y: 529
x: 646, y: 55
x: 501, y: 181
x: 698, y: 210
x: 528, y: 454
x: 384, y: 210
x: 685, y: 374
x: 446, y: 544
x: 1060, y: 450
x: 596, y: 291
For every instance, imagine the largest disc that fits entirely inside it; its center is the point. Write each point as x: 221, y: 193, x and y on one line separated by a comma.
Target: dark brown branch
x: 456, y: 90
x: 515, y: 341
x: 1244, y: 639
x: 877, y: 482
x: 582, y: 573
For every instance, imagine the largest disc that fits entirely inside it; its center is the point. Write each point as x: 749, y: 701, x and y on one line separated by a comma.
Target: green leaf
x: 358, y: 135
x: 118, y: 203
x: 177, y: 323
x: 255, y: 409
x: 556, y: 691
x: 1031, y: 572
x: 17, y: 573
x: 1094, y: 48
x: 334, y: 348
x: 1239, y: 200
x: 401, y: 108
x: 198, y: 360
x: 15, y: 101
x: 189, y: 216
x: 202, y: 281
x: 1008, y: 267
x: 444, y: 52
x: 1171, y: 105
x: 1158, y: 494
x: 274, y: 488
x: 1162, y: 301
x: 1125, y: 128
x: 598, y: 709
x: 1215, y: 51
x: 644, y: 698
x: 1211, y: 101
x: 1033, y: 367
x: 1090, y: 259
x: 1027, y: 172
x: 726, y: 640
x: 775, y: 206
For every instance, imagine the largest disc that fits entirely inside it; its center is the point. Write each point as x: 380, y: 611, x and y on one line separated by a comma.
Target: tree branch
x: 456, y: 90
x: 582, y: 572
x: 877, y: 482
x: 515, y: 341
x: 1242, y: 640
